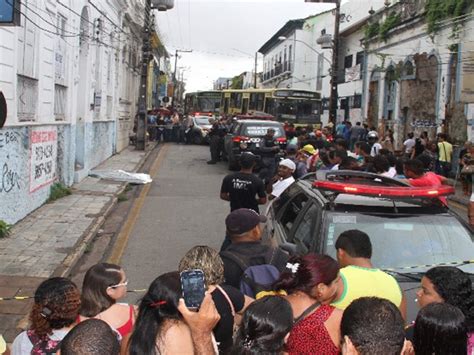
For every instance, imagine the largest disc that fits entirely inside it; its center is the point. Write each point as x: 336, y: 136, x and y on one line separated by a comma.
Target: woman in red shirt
x: 311, y: 284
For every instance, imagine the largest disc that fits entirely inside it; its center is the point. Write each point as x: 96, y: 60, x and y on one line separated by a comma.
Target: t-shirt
x: 281, y: 185
x: 429, y: 179
x: 251, y: 253
x: 409, y: 144
x: 242, y: 189
x: 375, y: 149
x: 445, y: 151
x: 364, y: 282
x: 22, y: 344
x: 223, y: 330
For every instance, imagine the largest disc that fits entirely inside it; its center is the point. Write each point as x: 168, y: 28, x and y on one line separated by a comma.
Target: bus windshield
x: 208, y: 104
x: 301, y: 111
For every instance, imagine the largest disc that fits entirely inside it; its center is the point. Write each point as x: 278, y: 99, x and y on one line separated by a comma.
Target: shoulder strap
x: 235, y: 259
x: 227, y: 298
x: 306, y: 312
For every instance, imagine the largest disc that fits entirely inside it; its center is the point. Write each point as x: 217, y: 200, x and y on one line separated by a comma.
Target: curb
x: 65, y: 267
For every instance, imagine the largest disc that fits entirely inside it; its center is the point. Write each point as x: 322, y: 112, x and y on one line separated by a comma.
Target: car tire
x: 232, y: 164
x: 197, y: 139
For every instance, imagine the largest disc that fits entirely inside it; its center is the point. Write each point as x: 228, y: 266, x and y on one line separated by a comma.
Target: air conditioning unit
x: 162, y: 5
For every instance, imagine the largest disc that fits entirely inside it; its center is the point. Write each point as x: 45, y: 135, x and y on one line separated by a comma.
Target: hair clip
x: 247, y: 342
x: 293, y: 267
x: 157, y: 304
x: 46, y: 312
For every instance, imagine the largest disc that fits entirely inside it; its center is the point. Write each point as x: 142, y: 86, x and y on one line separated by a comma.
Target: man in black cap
x: 241, y: 188
x: 243, y: 227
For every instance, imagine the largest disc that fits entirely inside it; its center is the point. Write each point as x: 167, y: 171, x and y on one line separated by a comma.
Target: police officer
x: 268, y: 151
x: 216, y: 140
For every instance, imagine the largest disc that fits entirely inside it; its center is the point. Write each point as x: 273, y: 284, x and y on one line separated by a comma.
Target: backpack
x: 42, y: 345
x: 256, y: 278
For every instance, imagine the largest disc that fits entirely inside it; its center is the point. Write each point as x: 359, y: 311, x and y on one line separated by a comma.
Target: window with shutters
x: 60, y: 96
x: 27, y: 96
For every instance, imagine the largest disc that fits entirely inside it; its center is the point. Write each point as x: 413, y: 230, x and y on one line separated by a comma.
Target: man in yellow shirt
x: 445, y: 155
x: 358, y: 277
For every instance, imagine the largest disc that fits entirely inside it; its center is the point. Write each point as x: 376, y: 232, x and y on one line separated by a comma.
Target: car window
x: 255, y: 130
x: 303, y: 235
x: 202, y: 121
x: 291, y: 191
x: 291, y: 212
x: 407, y: 240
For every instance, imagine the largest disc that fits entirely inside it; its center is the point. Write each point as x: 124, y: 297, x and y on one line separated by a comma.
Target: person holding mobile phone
x: 229, y: 301
x: 165, y: 325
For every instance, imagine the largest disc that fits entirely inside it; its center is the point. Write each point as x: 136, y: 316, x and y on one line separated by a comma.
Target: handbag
x: 467, y: 169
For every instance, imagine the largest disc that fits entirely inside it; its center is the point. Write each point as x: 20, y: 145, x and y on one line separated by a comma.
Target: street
x: 182, y: 209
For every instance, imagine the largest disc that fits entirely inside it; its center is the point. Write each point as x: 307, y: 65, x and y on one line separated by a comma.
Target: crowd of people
x: 314, y: 304
x: 260, y: 300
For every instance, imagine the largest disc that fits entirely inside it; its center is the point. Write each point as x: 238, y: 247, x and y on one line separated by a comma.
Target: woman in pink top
x: 104, y: 284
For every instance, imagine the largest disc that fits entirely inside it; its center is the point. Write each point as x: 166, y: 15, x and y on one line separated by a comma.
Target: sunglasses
x: 125, y: 283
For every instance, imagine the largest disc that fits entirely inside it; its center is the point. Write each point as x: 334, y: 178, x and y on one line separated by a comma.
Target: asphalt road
x: 182, y: 209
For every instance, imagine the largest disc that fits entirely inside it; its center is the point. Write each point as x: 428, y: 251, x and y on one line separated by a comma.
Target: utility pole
x: 142, y: 96
x: 334, y: 68
x: 255, y: 73
x: 174, y: 73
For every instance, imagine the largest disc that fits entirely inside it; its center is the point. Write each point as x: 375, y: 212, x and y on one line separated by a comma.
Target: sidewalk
x: 50, y: 240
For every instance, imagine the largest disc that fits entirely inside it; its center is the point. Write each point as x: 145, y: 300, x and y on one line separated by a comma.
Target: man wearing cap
x: 243, y: 227
x: 241, y: 188
x: 282, y: 180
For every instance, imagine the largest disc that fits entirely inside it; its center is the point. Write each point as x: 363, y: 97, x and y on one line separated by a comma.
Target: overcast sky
x: 224, y: 34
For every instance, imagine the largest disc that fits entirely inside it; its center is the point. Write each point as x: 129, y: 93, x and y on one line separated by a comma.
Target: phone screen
x: 193, y: 286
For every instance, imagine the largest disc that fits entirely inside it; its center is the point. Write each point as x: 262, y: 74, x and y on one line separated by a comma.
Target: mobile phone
x: 193, y: 286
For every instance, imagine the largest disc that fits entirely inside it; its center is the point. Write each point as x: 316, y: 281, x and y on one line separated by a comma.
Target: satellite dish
x: 3, y: 110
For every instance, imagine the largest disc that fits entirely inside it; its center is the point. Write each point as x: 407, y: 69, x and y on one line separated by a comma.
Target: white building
x: 70, y: 76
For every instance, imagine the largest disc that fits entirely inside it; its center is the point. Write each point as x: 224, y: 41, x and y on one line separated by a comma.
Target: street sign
x: 9, y: 12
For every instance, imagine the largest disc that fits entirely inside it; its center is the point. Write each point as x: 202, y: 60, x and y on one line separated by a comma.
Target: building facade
x: 69, y: 74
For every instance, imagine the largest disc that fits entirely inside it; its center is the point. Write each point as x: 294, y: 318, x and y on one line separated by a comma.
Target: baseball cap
x: 247, y: 157
x: 308, y: 148
x: 243, y: 220
x: 288, y: 163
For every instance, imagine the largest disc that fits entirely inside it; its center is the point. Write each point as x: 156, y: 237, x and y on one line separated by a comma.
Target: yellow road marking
x: 124, y: 235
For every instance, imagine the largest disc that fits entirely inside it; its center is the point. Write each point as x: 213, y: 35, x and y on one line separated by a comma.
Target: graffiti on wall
x: 43, y: 155
x: 9, y: 176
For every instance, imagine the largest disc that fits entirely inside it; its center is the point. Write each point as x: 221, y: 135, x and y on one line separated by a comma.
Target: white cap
x: 288, y: 163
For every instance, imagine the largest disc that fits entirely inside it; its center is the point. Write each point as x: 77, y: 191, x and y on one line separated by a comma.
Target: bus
x: 206, y: 102
x: 295, y: 106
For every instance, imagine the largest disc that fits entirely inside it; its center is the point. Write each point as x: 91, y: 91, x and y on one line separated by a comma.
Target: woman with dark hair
x: 311, y: 284
x: 447, y: 284
x: 440, y: 329
x: 159, y: 328
x: 57, y: 302
x: 265, y: 327
x: 104, y: 284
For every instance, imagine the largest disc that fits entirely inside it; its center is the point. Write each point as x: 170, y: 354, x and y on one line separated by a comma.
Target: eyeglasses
x: 125, y: 283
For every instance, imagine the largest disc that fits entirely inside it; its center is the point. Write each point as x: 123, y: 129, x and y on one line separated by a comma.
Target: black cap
x: 247, y: 158
x: 243, y: 220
